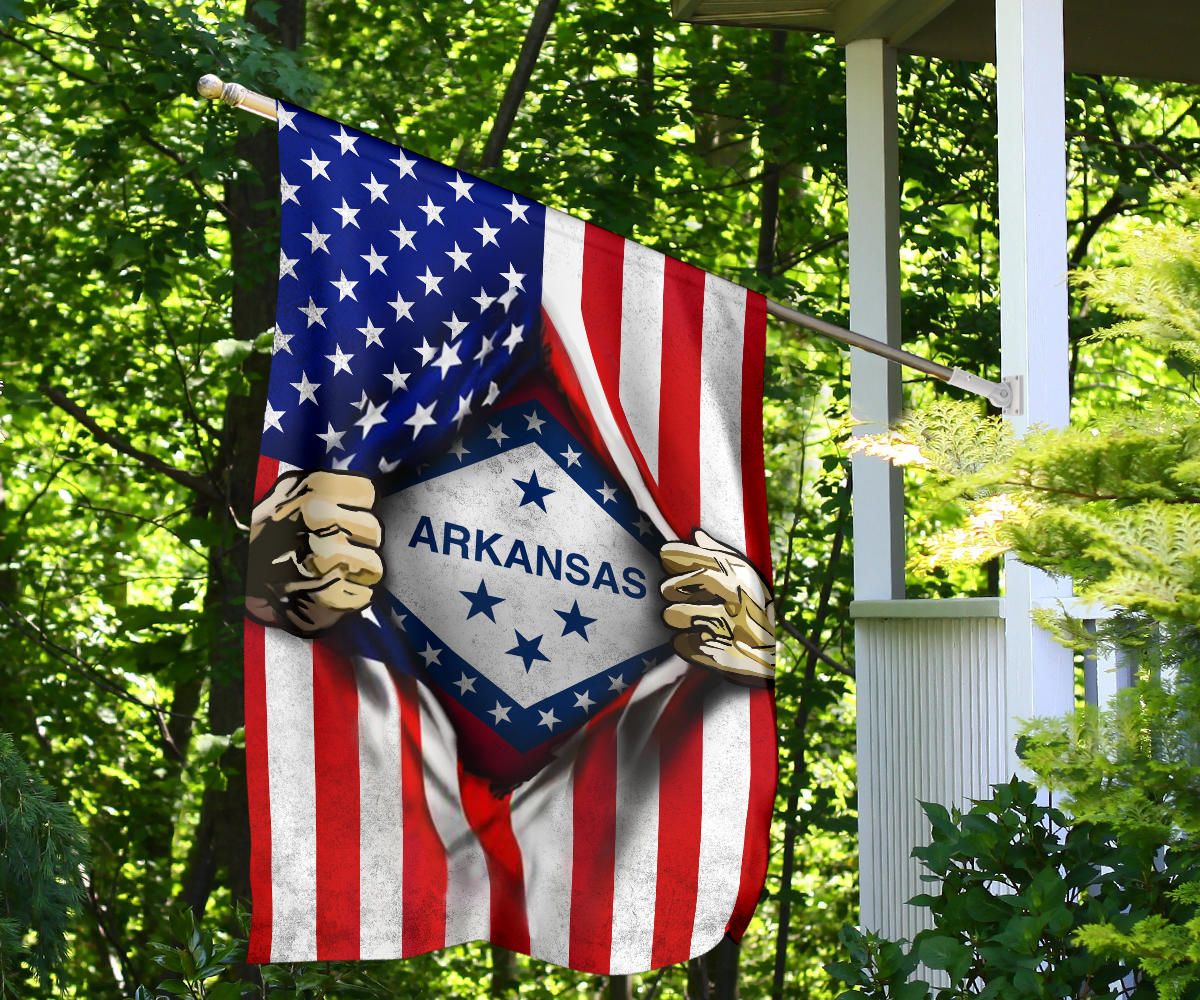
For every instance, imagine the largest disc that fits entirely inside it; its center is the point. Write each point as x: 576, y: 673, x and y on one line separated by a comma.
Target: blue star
x: 529, y: 650
x: 575, y: 621
x: 532, y: 491
x: 481, y: 602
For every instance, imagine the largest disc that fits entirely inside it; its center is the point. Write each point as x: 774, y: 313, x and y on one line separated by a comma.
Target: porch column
x: 873, y: 186
x: 1033, y: 312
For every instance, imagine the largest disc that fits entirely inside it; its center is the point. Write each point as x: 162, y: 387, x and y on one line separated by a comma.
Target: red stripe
x: 424, y: 857
x: 258, y: 783
x: 603, y: 263
x: 258, y: 788
x: 754, y: 483
x: 335, y: 762
x: 763, y: 774
x: 679, y: 735
x: 593, y: 862
x: 491, y: 819
x: 679, y: 416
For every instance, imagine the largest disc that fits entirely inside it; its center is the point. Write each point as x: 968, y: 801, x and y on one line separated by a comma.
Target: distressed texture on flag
x: 500, y: 742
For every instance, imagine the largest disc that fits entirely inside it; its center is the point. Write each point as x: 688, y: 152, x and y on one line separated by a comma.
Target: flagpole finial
x: 210, y: 87
x: 213, y: 88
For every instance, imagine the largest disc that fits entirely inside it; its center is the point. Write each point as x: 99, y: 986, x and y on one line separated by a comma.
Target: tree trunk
x: 768, y: 210
x: 222, y: 843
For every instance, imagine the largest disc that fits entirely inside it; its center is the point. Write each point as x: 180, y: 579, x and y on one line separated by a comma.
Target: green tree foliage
x: 137, y: 277
x: 42, y: 853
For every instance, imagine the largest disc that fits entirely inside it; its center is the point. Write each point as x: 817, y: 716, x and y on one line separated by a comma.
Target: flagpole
x: 1005, y: 395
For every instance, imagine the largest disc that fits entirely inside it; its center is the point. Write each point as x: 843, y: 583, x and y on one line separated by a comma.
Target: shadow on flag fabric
x: 509, y: 639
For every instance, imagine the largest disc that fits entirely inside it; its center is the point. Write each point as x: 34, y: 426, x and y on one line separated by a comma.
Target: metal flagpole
x: 1005, y: 395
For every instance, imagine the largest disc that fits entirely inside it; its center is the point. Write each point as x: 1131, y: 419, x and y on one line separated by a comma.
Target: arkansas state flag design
x: 509, y: 635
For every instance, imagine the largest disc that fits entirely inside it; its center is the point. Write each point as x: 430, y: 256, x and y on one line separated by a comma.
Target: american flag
x: 502, y: 746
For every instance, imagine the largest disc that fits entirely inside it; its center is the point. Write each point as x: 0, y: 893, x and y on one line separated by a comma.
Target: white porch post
x: 873, y: 186
x: 1033, y: 311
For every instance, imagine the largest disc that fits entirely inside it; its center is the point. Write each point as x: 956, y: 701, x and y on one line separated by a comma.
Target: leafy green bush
x: 42, y: 849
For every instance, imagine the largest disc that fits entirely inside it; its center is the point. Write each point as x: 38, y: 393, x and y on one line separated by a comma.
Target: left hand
x: 721, y: 606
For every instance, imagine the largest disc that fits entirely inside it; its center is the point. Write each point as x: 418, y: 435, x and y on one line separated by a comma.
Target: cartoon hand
x: 313, y: 551
x: 721, y: 607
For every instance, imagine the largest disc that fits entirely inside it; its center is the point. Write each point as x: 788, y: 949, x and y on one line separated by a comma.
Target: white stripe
x: 468, y: 894
x: 290, y: 766
x: 562, y: 297
x: 641, y: 346
x: 635, y: 867
x: 725, y: 796
x: 721, y: 504
x: 381, y: 846
x: 542, y: 820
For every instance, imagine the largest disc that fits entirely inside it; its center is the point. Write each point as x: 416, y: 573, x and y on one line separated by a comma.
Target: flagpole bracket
x: 1006, y: 395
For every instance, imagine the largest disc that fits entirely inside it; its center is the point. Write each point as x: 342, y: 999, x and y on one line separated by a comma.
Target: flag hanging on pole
x: 509, y: 642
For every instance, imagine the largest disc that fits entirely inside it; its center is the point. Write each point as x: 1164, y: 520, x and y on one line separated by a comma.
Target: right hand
x: 313, y: 551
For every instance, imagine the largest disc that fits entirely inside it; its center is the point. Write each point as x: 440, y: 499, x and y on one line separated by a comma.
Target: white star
x: 287, y: 192
x: 500, y: 713
x: 584, y: 701
x: 514, y: 337
x: 548, y: 719
x: 404, y: 236
x: 362, y: 401
x: 316, y: 239
x: 447, y: 359
x: 485, y: 348
x: 460, y: 257
x: 271, y: 418
x: 386, y: 466
x: 497, y: 433
x: 517, y: 210
x: 493, y: 392
x: 316, y: 165
x: 462, y: 189
x: 431, y: 654
x: 369, y: 615
x: 430, y: 280
x: 465, y: 684
x: 345, y: 287
x: 488, y: 233
x: 484, y: 300
x: 314, y: 312
x: 514, y: 279
x: 376, y: 190
x: 332, y: 438
x: 341, y: 362
x: 508, y: 298
x: 398, y: 378
x: 348, y: 215
x: 406, y: 166
x: 572, y: 456
x: 307, y: 389
x: 617, y: 683
x: 534, y: 421
x: 287, y: 266
x: 373, y: 416
x: 608, y: 493
x: 464, y: 410
x: 281, y: 341
x: 457, y: 449
x: 402, y: 306
x: 371, y: 332
x: 342, y: 463
x: 422, y: 417
x: 426, y: 350
x: 455, y: 324
x: 433, y: 213
x: 374, y: 260
x: 345, y: 141
x: 284, y: 117
x: 643, y: 526
x: 399, y: 618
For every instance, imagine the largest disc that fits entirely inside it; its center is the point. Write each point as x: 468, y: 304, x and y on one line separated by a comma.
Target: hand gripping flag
x: 509, y: 637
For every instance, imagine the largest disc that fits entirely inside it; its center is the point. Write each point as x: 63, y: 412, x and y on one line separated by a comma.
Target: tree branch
x: 192, y: 482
